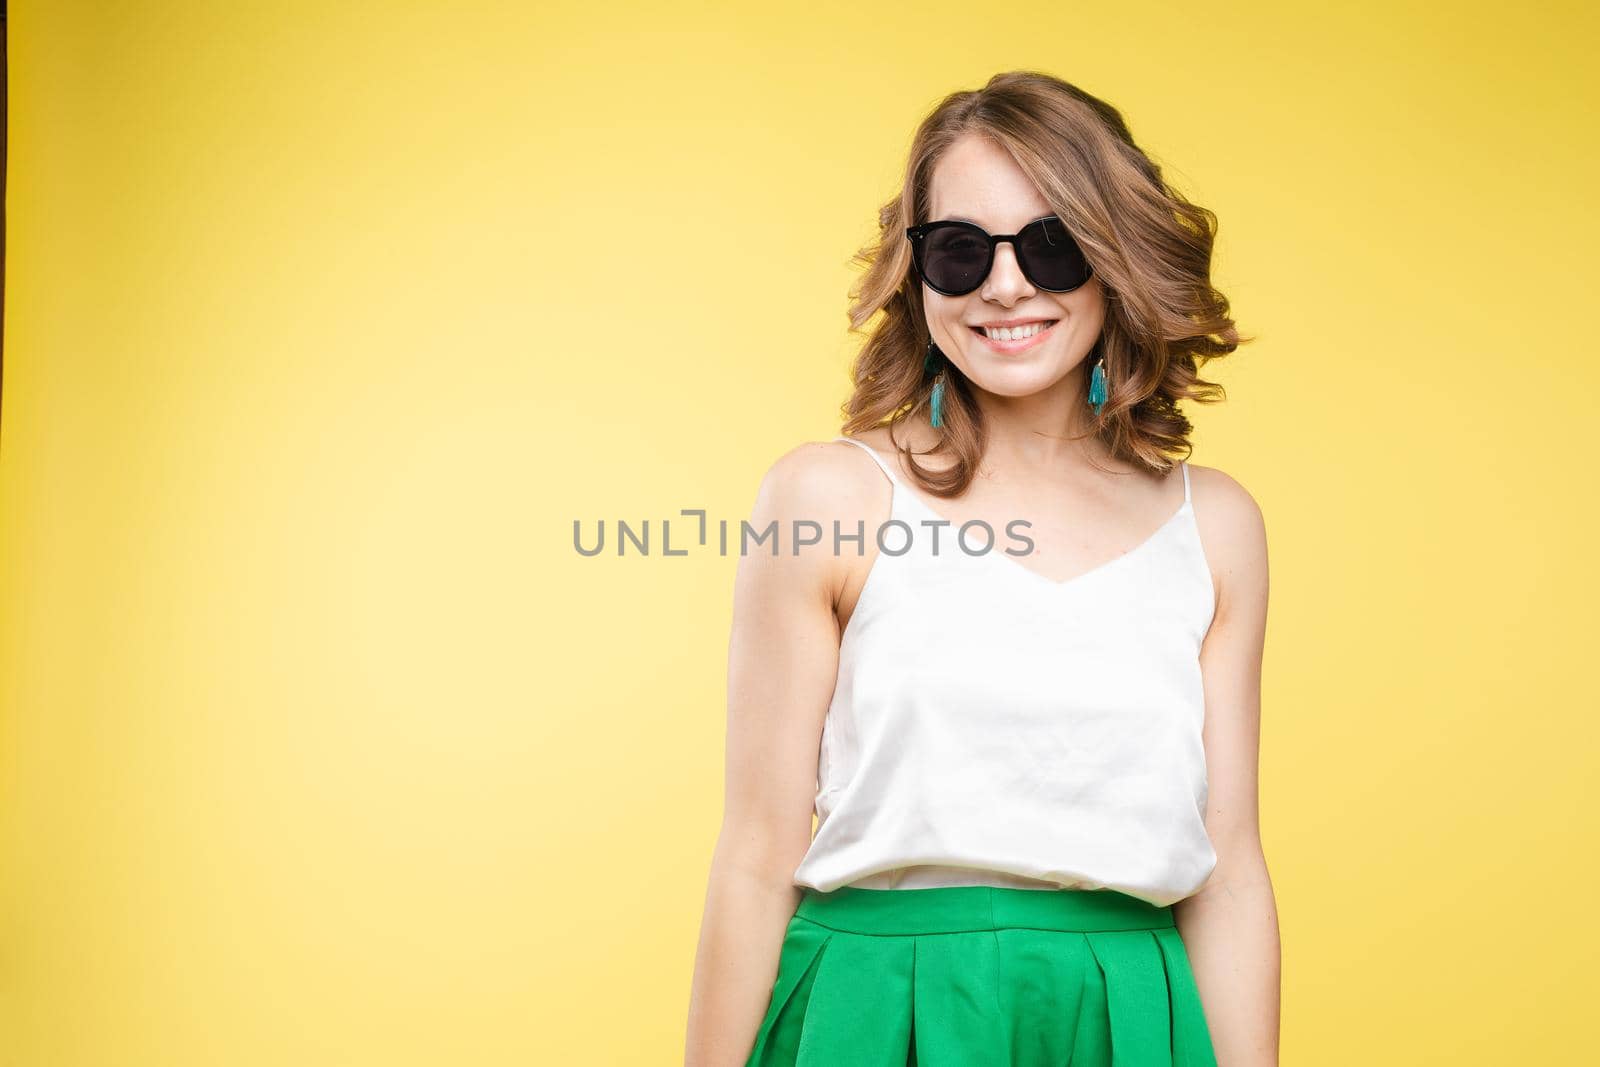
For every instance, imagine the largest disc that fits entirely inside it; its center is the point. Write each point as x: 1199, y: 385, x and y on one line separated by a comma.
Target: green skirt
x: 979, y: 976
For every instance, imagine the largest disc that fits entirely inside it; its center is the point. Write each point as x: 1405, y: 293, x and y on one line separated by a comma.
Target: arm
x: 1230, y: 926
x: 783, y: 665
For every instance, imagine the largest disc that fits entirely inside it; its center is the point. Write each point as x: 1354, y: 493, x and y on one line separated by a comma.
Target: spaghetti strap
x: 1186, y: 482
x: 873, y: 452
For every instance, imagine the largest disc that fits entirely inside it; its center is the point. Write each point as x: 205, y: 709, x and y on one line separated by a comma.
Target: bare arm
x: 783, y: 664
x: 1230, y: 927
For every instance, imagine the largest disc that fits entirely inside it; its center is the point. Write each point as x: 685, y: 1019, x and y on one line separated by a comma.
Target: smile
x: 1017, y: 338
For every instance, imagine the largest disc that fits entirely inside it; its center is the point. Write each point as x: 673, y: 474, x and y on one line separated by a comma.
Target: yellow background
x: 320, y: 744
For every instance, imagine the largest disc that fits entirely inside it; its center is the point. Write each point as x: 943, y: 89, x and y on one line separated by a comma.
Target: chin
x: 1022, y: 381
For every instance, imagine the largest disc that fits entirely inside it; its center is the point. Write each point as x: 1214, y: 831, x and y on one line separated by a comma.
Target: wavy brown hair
x: 1148, y: 245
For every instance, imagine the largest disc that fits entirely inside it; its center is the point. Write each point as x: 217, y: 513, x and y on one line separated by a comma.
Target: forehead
x: 977, y: 181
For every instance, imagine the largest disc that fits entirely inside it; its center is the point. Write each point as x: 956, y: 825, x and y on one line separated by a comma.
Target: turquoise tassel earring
x: 1097, y: 386
x: 930, y: 365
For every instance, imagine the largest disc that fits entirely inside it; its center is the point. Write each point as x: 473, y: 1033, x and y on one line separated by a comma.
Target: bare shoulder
x: 817, y: 480
x: 826, y: 483
x: 1233, y: 532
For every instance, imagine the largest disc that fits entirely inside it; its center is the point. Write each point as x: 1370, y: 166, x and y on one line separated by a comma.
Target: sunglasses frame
x: 917, y: 234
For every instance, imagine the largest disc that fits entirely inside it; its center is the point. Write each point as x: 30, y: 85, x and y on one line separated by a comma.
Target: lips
x: 1020, y: 345
x: 1002, y: 323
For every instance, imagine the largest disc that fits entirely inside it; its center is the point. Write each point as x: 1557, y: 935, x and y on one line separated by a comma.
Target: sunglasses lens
x: 954, y: 258
x: 1053, y: 258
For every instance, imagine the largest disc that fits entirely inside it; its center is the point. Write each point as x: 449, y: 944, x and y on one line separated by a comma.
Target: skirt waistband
x: 956, y: 909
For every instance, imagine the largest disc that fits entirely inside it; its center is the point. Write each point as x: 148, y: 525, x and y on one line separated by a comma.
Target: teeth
x: 1013, y: 333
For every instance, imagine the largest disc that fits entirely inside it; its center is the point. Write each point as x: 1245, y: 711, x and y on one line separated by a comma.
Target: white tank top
x: 991, y: 726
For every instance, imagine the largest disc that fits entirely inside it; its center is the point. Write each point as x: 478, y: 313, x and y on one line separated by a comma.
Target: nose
x: 1006, y: 284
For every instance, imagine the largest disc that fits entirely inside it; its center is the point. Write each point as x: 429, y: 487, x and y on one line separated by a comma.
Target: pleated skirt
x: 979, y: 976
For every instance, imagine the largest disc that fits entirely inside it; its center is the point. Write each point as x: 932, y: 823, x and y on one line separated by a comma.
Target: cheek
x: 1089, y: 302
x: 947, y: 315
x: 1084, y: 313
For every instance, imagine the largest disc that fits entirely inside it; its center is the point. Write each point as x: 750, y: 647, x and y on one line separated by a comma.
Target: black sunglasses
x: 954, y: 258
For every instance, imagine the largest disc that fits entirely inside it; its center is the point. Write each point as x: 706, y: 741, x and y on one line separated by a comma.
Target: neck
x: 1052, y: 428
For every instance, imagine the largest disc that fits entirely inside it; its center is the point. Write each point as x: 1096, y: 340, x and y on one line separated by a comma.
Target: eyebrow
x: 975, y: 222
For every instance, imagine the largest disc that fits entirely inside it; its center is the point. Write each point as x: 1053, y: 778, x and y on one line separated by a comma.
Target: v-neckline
x: 898, y: 488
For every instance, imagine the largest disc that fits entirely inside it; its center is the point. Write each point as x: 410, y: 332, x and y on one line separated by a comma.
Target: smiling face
x: 977, y: 181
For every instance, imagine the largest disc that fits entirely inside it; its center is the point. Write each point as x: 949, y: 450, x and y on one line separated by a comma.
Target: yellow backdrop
x: 319, y: 742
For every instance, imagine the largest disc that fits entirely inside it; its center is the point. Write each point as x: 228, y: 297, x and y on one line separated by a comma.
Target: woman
x: 1024, y: 705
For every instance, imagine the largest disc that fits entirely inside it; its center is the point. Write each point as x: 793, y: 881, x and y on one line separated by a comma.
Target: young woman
x: 1022, y: 696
